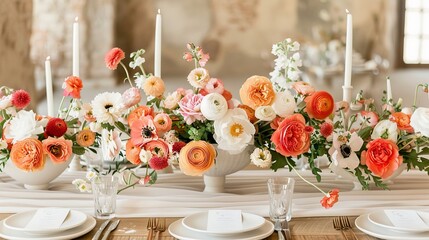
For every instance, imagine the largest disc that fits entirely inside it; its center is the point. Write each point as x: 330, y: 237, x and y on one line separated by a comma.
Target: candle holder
x: 347, y: 93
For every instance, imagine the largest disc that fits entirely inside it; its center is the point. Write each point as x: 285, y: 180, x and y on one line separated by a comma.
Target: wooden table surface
x: 302, y: 229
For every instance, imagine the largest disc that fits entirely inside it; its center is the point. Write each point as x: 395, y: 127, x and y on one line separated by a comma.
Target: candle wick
x: 48, y: 58
x: 76, y: 19
x: 159, y: 11
x: 347, y: 11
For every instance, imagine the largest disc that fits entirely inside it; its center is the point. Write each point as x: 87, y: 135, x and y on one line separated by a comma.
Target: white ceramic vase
x: 37, y: 180
x: 225, y: 164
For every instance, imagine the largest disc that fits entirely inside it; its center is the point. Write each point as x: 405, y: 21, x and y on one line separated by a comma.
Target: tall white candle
x: 76, y: 47
x: 157, y: 63
x: 389, y: 90
x: 49, y: 92
x: 348, y: 58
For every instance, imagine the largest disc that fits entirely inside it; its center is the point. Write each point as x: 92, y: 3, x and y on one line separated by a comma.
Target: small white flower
x: 284, y: 104
x: 265, y: 113
x: 145, y: 156
x: 23, y: 125
x: 170, y: 137
x: 137, y: 62
x: 110, y: 144
x: 261, y: 158
x: 78, y: 182
x: 214, y: 106
x: 84, y: 187
x: 385, y: 129
x: 140, y: 81
x: 90, y: 175
x: 106, y: 107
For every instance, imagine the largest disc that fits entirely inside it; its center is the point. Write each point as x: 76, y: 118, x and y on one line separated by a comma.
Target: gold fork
x: 337, y: 226
x: 151, y: 226
x: 160, y: 228
x: 345, y: 223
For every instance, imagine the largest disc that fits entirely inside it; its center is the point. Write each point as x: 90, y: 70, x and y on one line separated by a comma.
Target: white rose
x: 385, y: 129
x: 214, y: 106
x: 420, y: 121
x: 261, y: 158
x: 145, y: 156
x: 265, y: 113
x: 284, y: 104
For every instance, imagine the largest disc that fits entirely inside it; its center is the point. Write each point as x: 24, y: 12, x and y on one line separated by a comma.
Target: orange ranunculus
x: 72, y: 87
x: 381, y: 157
x: 292, y: 137
x: 85, y: 138
x: 154, y: 86
x: 196, y: 158
x: 157, y: 147
x: 132, y: 152
x: 162, y: 123
x: 402, y: 120
x: 320, y: 105
x: 257, y: 91
x: 58, y: 149
x: 28, y: 154
x: 138, y: 113
x: 113, y: 58
x: 303, y: 88
x: 249, y: 112
x: 331, y: 199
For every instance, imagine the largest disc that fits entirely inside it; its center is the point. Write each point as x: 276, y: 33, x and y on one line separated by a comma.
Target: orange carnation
x: 257, y: 91
x: 132, y: 152
x: 72, y: 87
x: 58, y: 149
x: 320, y: 105
x: 402, y: 120
x: 28, y: 155
x: 138, y: 113
x: 85, y: 138
x: 196, y: 158
x: 154, y: 86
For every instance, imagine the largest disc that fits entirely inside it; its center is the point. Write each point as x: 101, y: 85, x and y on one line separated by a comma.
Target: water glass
x: 280, y: 190
x: 105, y: 189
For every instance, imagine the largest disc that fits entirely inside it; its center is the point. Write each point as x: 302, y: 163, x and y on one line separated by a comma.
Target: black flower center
x: 147, y: 132
x: 107, y: 106
x: 345, y: 150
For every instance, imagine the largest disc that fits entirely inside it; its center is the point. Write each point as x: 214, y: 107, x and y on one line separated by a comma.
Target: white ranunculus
x: 385, y: 129
x: 5, y: 102
x: 284, y: 104
x: 110, y: 144
x: 234, y: 132
x: 145, y: 156
x: 261, y: 158
x: 265, y: 113
x: 23, y: 125
x: 214, y: 106
x: 420, y: 121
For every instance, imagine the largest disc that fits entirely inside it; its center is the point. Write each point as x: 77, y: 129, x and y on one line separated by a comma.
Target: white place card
x: 48, y: 218
x: 405, y: 219
x: 222, y: 220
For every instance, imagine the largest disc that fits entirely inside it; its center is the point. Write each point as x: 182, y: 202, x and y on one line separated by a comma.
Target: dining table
x: 176, y: 195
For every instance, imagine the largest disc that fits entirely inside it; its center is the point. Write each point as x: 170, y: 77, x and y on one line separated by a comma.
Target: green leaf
x: 121, y: 126
x: 365, y: 133
x: 78, y: 150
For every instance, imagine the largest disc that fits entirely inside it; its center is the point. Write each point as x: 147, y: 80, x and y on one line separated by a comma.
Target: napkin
x: 48, y: 218
x: 222, y: 220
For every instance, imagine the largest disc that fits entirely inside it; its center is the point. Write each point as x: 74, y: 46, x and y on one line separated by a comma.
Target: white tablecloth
x: 177, y: 195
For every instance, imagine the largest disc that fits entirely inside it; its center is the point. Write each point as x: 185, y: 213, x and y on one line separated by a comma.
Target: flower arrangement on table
x: 29, y: 139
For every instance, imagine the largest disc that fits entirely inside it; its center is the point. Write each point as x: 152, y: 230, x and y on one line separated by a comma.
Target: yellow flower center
x: 236, y: 129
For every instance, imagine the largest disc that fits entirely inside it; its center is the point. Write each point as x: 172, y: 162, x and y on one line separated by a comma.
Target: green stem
x: 142, y: 69
x: 415, y: 96
x: 128, y: 75
x: 61, y: 105
x: 128, y: 186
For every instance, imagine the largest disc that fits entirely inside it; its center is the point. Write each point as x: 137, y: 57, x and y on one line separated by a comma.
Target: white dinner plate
x: 18, y: 222
x: 179, y: 231
x: 198, y: 223
x: 366, y: 226
x: 380, y: 218
x: 84, y: 228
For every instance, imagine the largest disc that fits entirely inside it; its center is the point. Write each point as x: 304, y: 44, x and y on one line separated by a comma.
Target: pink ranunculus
x: 214, y: 85
x: 162, y: 123
x: 131, y: 97
x: 157, y: 147
x: 190, y: 108
x: 303, y: 88
x: 369, y: 117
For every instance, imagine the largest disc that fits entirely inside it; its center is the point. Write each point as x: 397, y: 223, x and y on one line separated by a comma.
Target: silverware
x: 100, y: 229
x: 110, y: 229
x: 160, y: 228
x: 337, y: 226
x: 151, y: 226
x: 345, y: 223
x: 286, y: 230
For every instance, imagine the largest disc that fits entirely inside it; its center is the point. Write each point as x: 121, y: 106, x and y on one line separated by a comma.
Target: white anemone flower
x: 234, y: 132
x: 106, y: 107
x: 343, y: 150
x: 23, y: 125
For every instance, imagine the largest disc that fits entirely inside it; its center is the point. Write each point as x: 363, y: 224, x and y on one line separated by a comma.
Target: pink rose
x: 190, y: 108
x: 131, y: 97
x: 214, y: 85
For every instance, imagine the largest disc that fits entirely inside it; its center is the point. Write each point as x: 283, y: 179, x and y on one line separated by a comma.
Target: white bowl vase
x: 225, y: 164
x: 37, y: 180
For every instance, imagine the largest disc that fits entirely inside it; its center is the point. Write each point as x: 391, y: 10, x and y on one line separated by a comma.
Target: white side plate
x: 380, y: 218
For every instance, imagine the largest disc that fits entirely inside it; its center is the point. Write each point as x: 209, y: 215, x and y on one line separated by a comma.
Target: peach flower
x: 132, y: 152
x: 330, y: 199
x: 72, y: 87
x: 320, y: 105
x: 402, y: 120
x: 138, y: 113
x: 58, y: 149
x: 292, y: 137
x: 303, y: 88
x: 381, y: 157
x: 257, y: 91
x: 114, y: 57
x: 28, y: 154
x: 198, y: 77
x: 143, y: 130
x: 85, y: 138
x: 162, y: 123
x: 196, y: 158
x: 157, y: 147
x: 154, y: 86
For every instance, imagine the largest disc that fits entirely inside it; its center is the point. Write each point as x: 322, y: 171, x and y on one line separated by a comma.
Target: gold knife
x: 110, y: 229
x: 100, y: 230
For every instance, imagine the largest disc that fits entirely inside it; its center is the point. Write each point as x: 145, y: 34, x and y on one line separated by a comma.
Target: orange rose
x: 249, y: 111
x: 402, y: 120
x: 58, y: 149
x: 196, y: 158
x: 257, y: 91
x: 72, y: 87
x: 28, y: 155
x: 154, y: 86
x: 381, y: 157
x: 292, y: 137
x: 138, y: 113
x: 85, y: 138
x: 319, y: 105
x: 132, y: 152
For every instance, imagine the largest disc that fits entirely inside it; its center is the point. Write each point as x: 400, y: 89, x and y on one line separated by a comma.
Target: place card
x: 405, y: 219
x: 224, y: 220
x: 48, y: 218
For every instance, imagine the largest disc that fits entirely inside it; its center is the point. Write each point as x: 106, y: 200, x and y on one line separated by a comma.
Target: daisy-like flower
x: 90, y: 175
x: 261, y: 158
x: 343, y: 150
x: 234, y: 131
x: 23, y: 125
x: 106, y: 107
x: 85, y: 187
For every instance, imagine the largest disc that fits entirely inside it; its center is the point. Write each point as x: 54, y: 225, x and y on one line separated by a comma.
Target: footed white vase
x: 37, y: 180
x: 225, y: 164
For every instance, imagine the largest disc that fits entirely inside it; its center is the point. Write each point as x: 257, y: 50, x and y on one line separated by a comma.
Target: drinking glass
x: 280, y: 190
x: 105, y: 189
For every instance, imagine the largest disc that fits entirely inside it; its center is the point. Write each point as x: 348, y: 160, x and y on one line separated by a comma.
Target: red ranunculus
x: 331, y: 199
x: 320, y: 105
x: 382, y: 157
